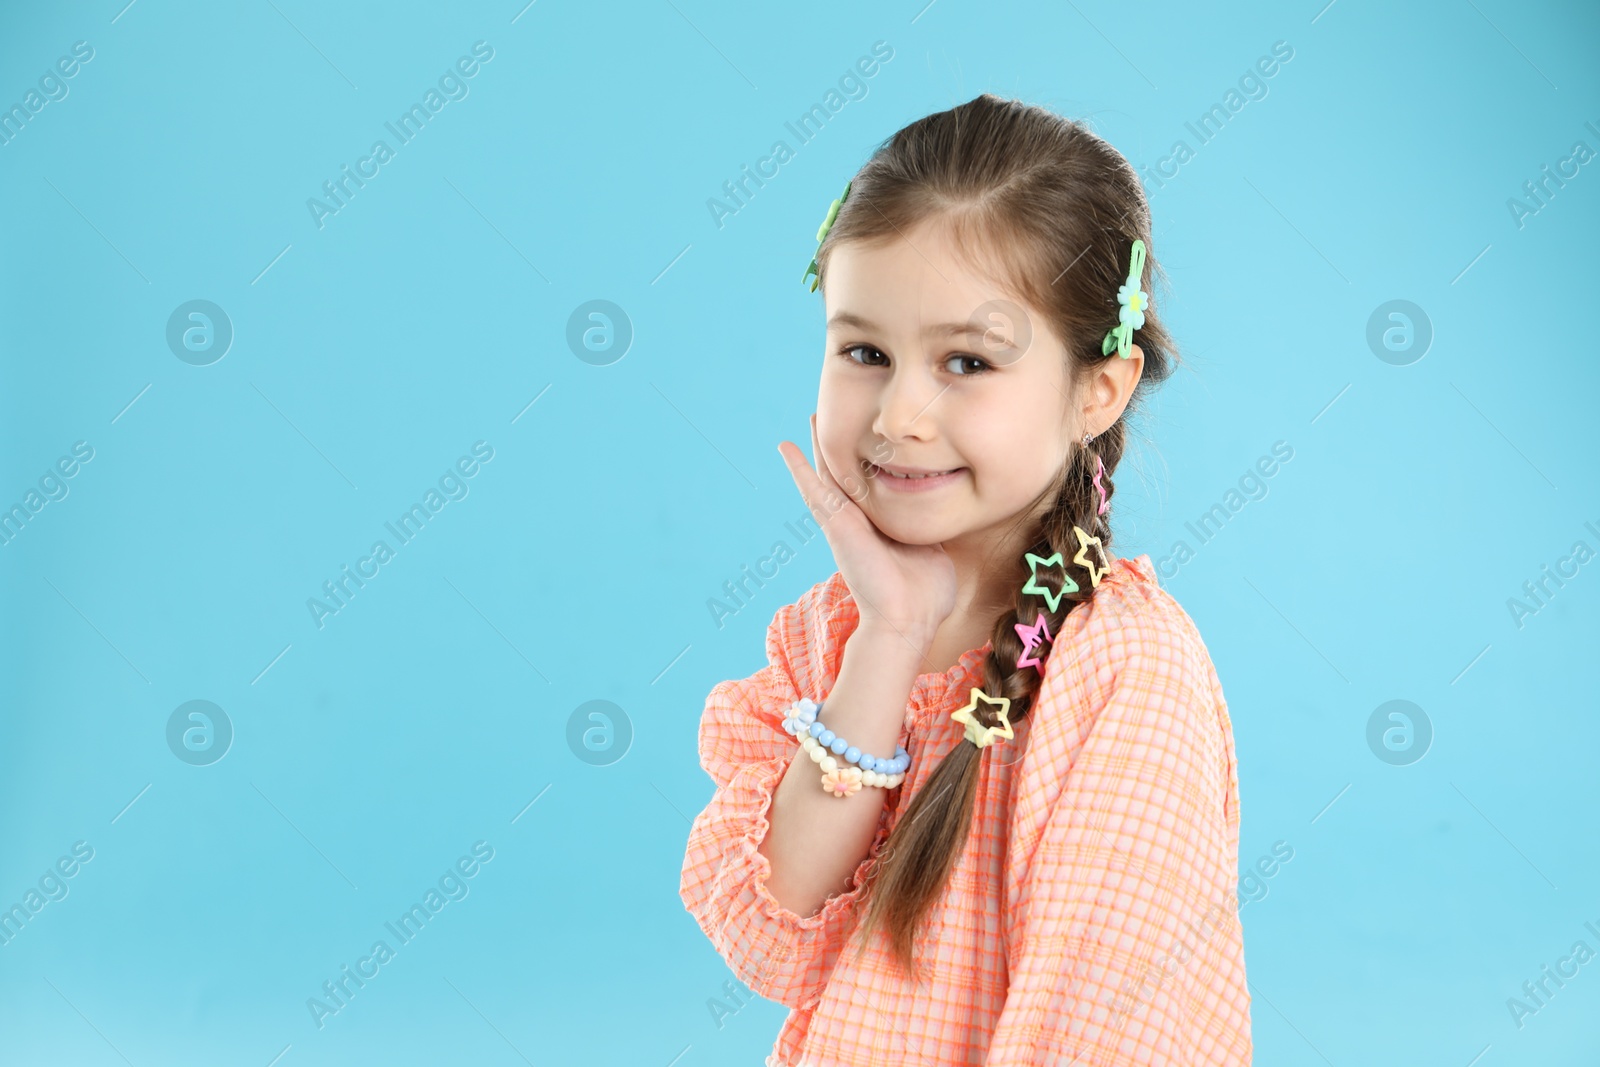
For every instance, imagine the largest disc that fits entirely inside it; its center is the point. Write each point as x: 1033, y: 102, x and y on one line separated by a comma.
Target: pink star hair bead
x: 1034, y: 638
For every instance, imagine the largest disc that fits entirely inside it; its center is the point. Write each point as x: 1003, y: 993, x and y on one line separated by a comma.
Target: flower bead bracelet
x: 845, y: 768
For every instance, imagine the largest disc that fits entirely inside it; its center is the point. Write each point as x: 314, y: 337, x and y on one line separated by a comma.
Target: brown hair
x: 1054, y: 210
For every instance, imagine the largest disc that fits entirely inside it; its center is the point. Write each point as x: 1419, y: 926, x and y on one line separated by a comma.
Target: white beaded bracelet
x: 845, y: 768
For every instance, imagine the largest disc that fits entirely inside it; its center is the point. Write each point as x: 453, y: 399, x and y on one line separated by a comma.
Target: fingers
x: 812, y: 491
x: 850, y: 484
x: 821, y: 495
x: 823, y: 473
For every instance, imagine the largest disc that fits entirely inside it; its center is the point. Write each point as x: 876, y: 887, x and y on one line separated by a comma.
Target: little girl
x: 1023, y: 847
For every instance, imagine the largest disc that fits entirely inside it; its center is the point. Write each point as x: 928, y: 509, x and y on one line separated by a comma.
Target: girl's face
x: 931, y: 366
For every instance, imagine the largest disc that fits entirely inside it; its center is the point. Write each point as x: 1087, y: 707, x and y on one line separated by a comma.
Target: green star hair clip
x: 1131, y: 316
x: 813, y: 270
x: 1051, y: 596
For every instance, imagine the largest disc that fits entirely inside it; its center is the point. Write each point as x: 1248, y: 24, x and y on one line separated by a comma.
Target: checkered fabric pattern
x: 1092, y: 917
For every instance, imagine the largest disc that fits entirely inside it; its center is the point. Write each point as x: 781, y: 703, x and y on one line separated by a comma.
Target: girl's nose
x: 906, y: 408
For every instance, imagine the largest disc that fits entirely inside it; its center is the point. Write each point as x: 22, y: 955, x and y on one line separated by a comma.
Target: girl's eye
x: 973, y: 363
x: 962, y: 366
x: 862, y: 348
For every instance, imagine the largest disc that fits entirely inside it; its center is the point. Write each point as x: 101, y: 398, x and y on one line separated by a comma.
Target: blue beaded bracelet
x: 827, y: 748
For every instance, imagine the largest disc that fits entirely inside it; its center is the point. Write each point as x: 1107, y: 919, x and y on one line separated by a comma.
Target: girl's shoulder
x: 1134, y: 670
x: 1131, y: 622
x: 1130, y: 595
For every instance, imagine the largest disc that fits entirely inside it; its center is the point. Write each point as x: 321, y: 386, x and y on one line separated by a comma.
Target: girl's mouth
x: 902, y: 483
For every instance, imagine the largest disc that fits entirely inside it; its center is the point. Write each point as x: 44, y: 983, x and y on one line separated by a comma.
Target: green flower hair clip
x: 813, y: 271
x: 1131, y: 316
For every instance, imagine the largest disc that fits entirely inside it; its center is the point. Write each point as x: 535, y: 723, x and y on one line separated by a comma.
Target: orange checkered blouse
x: 1091, y: 918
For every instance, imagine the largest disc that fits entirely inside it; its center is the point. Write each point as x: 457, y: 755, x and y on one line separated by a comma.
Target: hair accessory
x: 823, y: 746
x: 1034, y: 638
x: 1096, y: 572
x: 1051, y: 596
x: 1131, y: 316
x: 984, y: 736
x: 813, y: 271
x: 1099, y: 470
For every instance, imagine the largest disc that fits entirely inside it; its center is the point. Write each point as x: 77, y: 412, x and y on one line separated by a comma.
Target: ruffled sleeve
x: 779, y: 954
x: 1123, y: 937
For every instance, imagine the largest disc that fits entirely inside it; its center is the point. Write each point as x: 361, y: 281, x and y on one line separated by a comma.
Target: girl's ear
x: 1109, y: 388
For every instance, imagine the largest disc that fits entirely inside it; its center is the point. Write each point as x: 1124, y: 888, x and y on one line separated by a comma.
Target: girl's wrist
x: 846, y: 768
x: 890, y: 646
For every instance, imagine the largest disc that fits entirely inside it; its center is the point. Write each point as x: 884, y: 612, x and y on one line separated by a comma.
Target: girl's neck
x: 956, y: 637
x: 982, y: 596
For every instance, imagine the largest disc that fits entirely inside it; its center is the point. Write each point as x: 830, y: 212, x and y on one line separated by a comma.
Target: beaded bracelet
x: 825, y: 747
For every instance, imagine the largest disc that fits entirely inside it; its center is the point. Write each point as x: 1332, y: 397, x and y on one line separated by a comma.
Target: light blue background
x: 433, y: 710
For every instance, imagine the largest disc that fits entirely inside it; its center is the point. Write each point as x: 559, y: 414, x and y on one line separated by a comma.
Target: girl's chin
x: 912, y: 532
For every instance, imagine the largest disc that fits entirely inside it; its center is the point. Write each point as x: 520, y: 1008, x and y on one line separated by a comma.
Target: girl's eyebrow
x: 850, y: 318
x: 942, y: 329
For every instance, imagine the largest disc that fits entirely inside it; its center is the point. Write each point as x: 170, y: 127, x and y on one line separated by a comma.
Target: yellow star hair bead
x: 984, y: 736
x: 1082, y: 558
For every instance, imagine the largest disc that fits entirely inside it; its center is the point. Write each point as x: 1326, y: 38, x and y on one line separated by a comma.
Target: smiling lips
x: 912, y: 479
